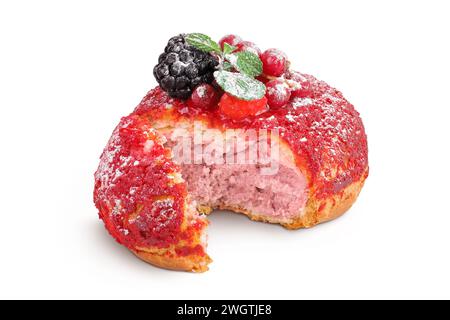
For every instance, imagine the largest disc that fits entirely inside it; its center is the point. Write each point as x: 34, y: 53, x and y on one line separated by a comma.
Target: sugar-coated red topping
x: 274, y: 62
x: 278, y: 93
x: 300, y: 86
x: 136, y: 190
x: 248, y: 46
x: 323, y: 129
x: 204, y: 96
x: 231, y: 39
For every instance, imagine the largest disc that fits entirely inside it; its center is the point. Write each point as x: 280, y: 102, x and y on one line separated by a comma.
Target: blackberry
x: 182, y: 67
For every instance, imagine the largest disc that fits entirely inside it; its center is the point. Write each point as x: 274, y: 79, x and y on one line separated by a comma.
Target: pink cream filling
x: 280, y: 196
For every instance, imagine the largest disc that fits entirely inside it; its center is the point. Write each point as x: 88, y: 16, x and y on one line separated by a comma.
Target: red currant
x: 248, y: 46
x: 204, y: 96
x: 263, y: 79
x: 275, y: 62
x: 278, y: 93
x: 231, y: 39
x: 235, y: 108
x: 300, y: 86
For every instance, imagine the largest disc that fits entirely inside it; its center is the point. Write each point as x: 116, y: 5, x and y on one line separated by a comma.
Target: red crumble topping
x: 135, y: 191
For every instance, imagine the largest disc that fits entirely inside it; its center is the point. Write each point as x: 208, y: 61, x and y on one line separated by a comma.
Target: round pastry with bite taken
x: 232, y: 128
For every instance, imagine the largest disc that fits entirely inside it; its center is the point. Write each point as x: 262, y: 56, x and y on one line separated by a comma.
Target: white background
x: 70, y: 69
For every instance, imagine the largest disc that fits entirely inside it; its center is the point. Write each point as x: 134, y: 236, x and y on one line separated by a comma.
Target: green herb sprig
x: 241, y: 84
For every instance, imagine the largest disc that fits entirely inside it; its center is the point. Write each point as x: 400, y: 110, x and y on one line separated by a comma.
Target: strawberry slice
x: 235, y: 108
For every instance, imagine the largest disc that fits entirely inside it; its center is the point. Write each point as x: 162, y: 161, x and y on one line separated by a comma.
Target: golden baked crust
x: 323, y: 210
x: 174, y: 262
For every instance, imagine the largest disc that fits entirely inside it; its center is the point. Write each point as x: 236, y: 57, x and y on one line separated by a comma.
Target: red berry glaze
x: 275, y: 62
x: 278, y: 93
x: 248, y: 46
x: 236, y: 109
x: 231, y: 39
x: 204, y: 96
x: 300, y: 86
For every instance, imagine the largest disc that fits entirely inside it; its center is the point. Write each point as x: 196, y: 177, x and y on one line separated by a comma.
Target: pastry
x: 229, y: 127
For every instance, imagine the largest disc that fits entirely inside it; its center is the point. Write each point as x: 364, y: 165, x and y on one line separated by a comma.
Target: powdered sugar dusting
x: 164, y: 212
x: 202, y: 91
x: 106, y: 172
x: 301, y: 102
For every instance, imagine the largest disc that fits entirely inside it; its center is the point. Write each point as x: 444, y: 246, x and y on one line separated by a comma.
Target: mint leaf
x: 227, y: 48
x: 227, y: 66
x: 203, y: 42
x: 249, y: 63
x: 240, y: 85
